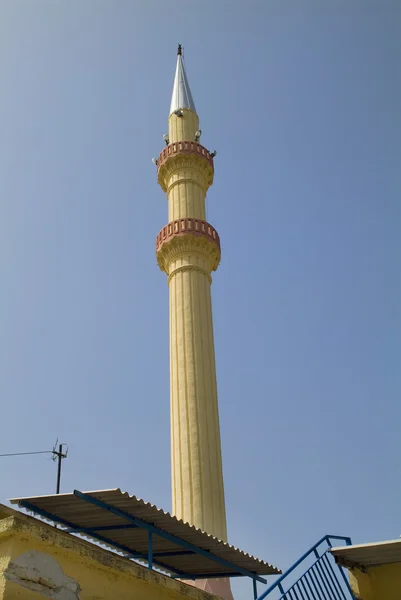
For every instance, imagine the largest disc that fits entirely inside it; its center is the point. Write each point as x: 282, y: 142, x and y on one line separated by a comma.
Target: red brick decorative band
x: 184, y: 148
x: 187, y: 226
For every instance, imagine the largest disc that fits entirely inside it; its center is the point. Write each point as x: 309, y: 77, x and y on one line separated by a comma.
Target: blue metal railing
x: 321, y: 579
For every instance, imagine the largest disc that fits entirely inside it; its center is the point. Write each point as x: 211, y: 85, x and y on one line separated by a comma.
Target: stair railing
x: 321, y: 580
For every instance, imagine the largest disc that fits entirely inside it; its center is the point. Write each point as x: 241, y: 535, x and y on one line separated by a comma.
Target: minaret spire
x: 188, y: 251
x: 181, y: 97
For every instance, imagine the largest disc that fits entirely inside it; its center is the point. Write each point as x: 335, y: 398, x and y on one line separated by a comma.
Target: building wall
x: 378, y: 583
x: 38, y: 561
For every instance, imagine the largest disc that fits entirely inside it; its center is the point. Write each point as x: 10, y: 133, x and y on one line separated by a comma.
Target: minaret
x: 188, y: 251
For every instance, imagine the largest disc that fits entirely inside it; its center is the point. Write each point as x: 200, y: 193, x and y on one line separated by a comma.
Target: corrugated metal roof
x: 77, y: 515
x: 369, y: 555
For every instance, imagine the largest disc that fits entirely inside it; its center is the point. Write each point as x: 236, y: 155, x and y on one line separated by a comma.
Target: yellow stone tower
x: 188, y: 250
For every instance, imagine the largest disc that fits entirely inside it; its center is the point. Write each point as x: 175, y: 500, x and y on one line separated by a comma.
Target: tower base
x: 218, y: 587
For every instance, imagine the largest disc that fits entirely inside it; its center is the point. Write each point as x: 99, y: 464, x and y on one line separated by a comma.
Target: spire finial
x: 179, y: 51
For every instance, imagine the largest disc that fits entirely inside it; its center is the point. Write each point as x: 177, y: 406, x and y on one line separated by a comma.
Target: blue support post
x: 255, y: 589
x: 280, y: 587
x: 150, y: 550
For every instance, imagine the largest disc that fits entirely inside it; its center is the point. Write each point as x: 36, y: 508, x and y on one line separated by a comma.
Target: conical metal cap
x: 182, y: 97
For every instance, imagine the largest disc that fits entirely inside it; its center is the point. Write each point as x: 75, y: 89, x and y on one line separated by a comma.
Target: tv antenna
x: 57, y: 455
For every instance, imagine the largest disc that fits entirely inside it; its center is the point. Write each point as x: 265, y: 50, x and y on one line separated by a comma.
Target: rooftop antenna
x: 59, y: 455
x: 56, y: 455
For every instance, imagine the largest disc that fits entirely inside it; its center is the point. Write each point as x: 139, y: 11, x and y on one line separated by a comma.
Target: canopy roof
x: 142, y: 531
x: 369, y: 555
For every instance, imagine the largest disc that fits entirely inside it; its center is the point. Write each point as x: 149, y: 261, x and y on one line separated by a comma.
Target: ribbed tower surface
x: 188, y: 251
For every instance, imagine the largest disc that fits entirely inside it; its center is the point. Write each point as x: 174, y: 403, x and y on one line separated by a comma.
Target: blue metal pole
x: 150, y: 551
x: 255, y: 589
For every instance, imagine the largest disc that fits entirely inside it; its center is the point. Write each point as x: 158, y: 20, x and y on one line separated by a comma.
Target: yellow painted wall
x: 101, y: 575
x: 378, y: 583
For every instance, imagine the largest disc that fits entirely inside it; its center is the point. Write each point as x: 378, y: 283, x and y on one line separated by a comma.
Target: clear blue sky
x: 302, y: 102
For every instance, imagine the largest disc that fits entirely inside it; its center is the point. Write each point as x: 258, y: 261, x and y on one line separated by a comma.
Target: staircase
x: 314, y: 576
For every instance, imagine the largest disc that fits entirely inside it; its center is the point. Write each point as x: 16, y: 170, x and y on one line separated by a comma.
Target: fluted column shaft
x: 197, y: 478
x: 188, y: 250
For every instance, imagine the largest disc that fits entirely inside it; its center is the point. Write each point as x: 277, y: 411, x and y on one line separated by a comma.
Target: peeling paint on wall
x: 41, y: 573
